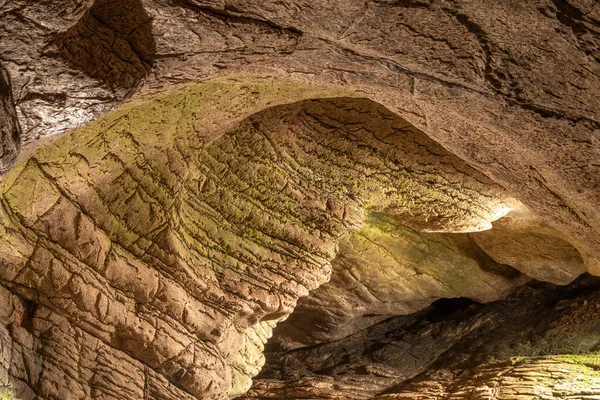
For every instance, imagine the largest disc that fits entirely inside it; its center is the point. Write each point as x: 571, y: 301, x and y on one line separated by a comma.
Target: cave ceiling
x: 347, y: 199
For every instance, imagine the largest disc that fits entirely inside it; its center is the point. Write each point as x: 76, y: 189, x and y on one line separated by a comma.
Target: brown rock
x: 167, y: 239
x: 386, y: 270
x: 538, y: 343
x: 178, y: 248
x: 538, y: 253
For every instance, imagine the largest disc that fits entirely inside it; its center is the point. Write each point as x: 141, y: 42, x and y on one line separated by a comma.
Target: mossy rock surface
x: 177, y: 230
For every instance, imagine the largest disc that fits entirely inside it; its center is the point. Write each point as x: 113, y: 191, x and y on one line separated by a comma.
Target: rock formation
x: 541, y: 342
x: 355, y: 179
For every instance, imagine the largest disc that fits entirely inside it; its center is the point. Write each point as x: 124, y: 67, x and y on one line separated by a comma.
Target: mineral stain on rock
x: 180, y: 248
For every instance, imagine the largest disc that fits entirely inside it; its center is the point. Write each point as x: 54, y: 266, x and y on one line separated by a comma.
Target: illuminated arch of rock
x: 157, y: 247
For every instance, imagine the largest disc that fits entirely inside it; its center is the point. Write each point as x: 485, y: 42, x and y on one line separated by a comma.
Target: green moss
x: 589, y: 363
x: 383, y: 224
x: 157, y: 133
x: 249, y: 234
x: 7, y: 395
x: 518, y: 360
x: 590, y: 360
x: 156, y: 119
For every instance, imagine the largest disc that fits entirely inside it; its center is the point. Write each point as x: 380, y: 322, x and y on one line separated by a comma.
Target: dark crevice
x: 113, y: 42
x: 407, y: 3
x: 443, y: 308
x: 29, y: 313
x: 570, y: 16
x: 10, y: 130
x: 452, y: 334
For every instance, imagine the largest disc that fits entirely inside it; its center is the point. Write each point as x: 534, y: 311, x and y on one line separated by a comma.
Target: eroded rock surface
x: 510, y: 87
x: 150, y: 237
x: 10, y: 131
x: 369, y: 143
x: 113, y: 42
x: 456, y: 349
x: 387, y: 269
x: 534, y: 250
x: 558, y: 377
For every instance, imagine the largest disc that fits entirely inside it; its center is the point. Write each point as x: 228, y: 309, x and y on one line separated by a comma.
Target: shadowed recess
x: 112, y: 41
x: 10, y: 141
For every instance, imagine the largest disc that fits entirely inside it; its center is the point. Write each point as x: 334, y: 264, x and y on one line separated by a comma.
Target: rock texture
x: 532, y: 249
x: 456, y: 349
x: 257, y: 150
x: 112, y: 41
x: 387, y: 269
x: 523, y: 378
x: 511, y: 87
x: 557, y: 377
x: 151, y: 237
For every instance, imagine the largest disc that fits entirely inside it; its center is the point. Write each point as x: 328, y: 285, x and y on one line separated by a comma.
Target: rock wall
x: 369, y: 143
x: 511, y: 87
x: 150, y: 237
x: 540, y: 342
x: 10, y: 131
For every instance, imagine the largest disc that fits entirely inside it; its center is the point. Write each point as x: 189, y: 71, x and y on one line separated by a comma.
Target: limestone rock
x: 511, y: 88
x: 541, y: 342
x: 557, y: 377
x: 537, y: 253
x: 385, y: 270
x: 150, y: 253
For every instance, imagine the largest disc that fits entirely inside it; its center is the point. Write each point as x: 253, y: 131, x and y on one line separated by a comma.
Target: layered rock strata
x: 511, y: 87
x: 541, y: 342
x: 10, y: 131
x: 153, y: 238
x: 151, y: 253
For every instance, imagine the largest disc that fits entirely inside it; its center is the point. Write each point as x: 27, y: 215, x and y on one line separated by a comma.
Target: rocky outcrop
x: 51, y: 96
x: 112, y: 42
x: 510, y: 88
x: 387, y: 269
x: 532, y: 249
x: 257, y: 150
x: 558, y: 377
x: 153, y: 238
x: 523, y: 378
x: 456, y: 349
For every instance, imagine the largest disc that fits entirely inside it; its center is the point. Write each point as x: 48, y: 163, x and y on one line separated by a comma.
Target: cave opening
x: 538, y: 332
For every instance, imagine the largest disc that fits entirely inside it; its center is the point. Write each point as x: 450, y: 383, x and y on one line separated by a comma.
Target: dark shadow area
x: 29, y: 313
x: 445, y: 308
x: 10, y: 132
x: 112, y: 41
x: 537, y: 319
